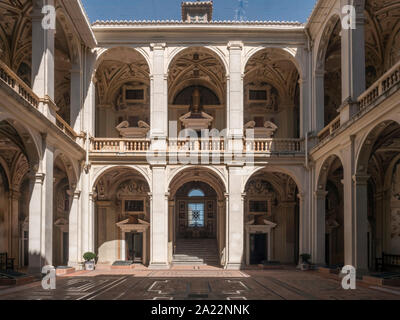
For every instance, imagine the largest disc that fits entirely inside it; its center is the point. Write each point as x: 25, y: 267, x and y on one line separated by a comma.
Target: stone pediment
x: 128, y: 225
x: 198, y: 121
x: 133, y: 132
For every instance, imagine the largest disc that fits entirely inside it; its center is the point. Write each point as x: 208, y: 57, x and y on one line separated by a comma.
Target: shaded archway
x: 271, y: 219
x: 382, y: 38
x: 197, y: 217
x: 122, y: 94
x: 330, y: 214
x: 191, y: 68
x: 18, y: 158
x: 378, y: 161
x: 272, y: 94
x: 122, y: 216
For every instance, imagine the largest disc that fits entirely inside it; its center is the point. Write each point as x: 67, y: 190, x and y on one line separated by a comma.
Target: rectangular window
x: 134, y: 206
x: 258, y: 206
x: 196, y: 215
x: 134, y: 94
x: 260, y: 95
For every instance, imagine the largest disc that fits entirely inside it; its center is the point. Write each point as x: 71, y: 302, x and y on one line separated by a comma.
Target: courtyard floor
x: 194, y: 284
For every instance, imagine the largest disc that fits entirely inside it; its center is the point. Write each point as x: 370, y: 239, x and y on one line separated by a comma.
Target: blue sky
x: 293, y: 10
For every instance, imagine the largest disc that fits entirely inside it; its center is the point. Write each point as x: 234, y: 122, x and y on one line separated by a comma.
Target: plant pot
x: 89, y: 265
x: 304, y: 266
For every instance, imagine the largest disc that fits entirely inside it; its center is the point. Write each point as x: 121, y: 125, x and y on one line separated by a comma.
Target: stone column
x: 221, y: 230
x: 159, y: 220
x: 159, y: 94
x: 353, y: 63
x: 14, y: 228
x: 35, y: 224
x: 76, y: 98
x: 171, y: 229
x: 304, y: 225
x: 234, y: 220
x: 288, y: 212
x: 43, y: 59
x: 360, y: 219
x: 318, y: 254
x: 235, y: 96
x: 73, y: 232
x: 319, y: 103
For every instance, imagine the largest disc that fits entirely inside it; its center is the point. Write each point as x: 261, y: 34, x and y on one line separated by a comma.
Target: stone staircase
x: 196, y: 252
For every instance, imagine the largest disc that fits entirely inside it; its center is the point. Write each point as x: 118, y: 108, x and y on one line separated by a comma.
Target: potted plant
x: 305, y: 261
x: 90, y: 260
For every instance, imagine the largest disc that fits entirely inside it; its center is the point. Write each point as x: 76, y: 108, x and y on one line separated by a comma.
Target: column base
x: 159, y: 266
x: 233, y: 266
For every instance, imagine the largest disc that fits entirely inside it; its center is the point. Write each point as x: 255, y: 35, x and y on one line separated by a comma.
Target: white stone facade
x: 327, y: 176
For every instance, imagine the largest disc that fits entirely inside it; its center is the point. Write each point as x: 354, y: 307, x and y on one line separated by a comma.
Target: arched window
x: 196, y: 193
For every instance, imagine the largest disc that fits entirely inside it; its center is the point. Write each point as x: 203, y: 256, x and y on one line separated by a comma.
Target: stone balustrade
x: 119, y: 145
x: 274, y: 145
x: 211, y: 144
x: 329, y: 129
x: 20, y: 87
x: 380, y: 87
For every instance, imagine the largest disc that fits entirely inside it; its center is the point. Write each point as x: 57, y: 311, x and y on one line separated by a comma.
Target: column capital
x: 360, y: 179
x: 14, y: 194
x: 320, y: 194
x: 158, y: 46
x: 39, y: 177
x: 301, y: 196
x: 74, y: 193
x: 235, y: 45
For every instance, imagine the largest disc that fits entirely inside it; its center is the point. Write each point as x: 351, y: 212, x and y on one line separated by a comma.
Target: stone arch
x: 142, y: 172
x: 367, y: 143
x: 102, y: 52
x: 215, y: 51
x: 294, y: 174
x: 186, y: 174
x: 70, y: 168
x: 290, y: 53
x: 322, y: 172
x: 322, y: 45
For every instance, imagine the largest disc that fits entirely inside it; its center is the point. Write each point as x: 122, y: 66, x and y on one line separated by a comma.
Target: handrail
x: 119, y: 145
x: 10, y: 78
x: 65, y: 127
x: 388, y: 80
x: 196, y: 144
x: 329, y: 129
x: 271, y: 145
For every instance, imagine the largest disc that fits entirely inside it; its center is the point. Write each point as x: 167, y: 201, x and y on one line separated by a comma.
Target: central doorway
x: 134, y: 248
x: 258, y: 248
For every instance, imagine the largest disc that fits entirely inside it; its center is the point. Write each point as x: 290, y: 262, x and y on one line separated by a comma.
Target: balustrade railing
x: 211, y: 144
x: 119, y: 145
x: 20, y: 87
x: 65, y: 127
x: 329, y: 129
x: 380, y: 87
x: 274, y: 145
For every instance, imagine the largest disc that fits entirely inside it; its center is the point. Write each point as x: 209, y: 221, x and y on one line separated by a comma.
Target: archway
x: 122, y: 217
x: 271, y: 219
x: 197, y: 215
x: 18, y: 156
x: 329, y: 71
x: 272, y: 94
x: 382, y: 38
x: 192, y: 69
x: 330, y: 214
x: 122, y: 94
x: 379, y: 163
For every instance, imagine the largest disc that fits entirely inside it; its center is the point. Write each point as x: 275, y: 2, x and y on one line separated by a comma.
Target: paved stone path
x: 184, y: 285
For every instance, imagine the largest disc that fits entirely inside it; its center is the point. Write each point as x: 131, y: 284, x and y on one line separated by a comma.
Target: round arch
x: 289, y: 53
x: 367, y: 142
x: 323, y: 170
x: 207, y: 175
x: 142, y: 172
x: 70, y: 168
x: 212, y: 50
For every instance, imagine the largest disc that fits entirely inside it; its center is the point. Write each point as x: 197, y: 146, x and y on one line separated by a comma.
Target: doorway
x: 258, y: 248
x: 134, y: 247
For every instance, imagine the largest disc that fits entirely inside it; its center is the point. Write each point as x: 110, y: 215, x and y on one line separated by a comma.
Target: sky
x: 288, y: 10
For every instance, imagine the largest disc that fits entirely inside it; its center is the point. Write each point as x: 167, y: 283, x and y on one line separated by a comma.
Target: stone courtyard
x: 205, y: 284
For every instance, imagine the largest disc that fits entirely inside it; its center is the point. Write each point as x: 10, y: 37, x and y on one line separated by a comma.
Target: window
x: 196, y: 215
x: 258, y: 95
x: 134, y: 94
x: 258, y: 206
x: 134, y: 206
x: 196, y: 193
